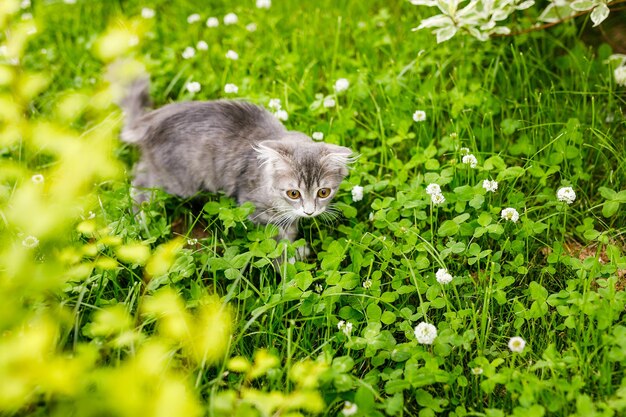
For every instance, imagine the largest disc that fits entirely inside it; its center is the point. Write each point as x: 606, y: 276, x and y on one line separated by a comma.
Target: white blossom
x: 620, y: 75
x: 232, y: 55
x: 510, y: 213
x: 69, y: 1
x: 202, y: 46
x: 30, y: 242
x: 147, y: 13
x: 341, y: 84
x: 192, y: 242
x: 37, y: 179
x: 443, y: 276
x: 319, y: 288
x: 263, y: 4
x: 345, y: 327
x: 329, y: 102
x: 491, y: 186
x: 231, y: 88
x: 419, y: 116
x: 470, y: 160
x: 357, y: 193
x: 193, y: 18
x: 27, y: 16
x: 24, y: 4
x: 425, y: 333
x: 433, y: 189
x: 317, y: 136
x: 251, y: 27
x: 477, y: 370
x: 189, y: 52
x: 193, y: 86
x: 230, y: 19
x: 566, y: 194
x: 274, y: 104
x: 517, y: 344
x: 437, y: 199
x: 464, y: 151
x: 212, y: 22
x: 349, y: 409
x: 367, y: 284
x: 281, y: 115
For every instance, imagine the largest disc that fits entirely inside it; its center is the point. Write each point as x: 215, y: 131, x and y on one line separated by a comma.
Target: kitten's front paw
x: 303, y: 252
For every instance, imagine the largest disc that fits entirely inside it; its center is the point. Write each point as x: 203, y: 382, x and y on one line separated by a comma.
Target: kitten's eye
x: 323, y: 192
x: 293, y: 194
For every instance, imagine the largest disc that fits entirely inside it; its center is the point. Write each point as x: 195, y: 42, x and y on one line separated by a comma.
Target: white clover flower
x: 341, y: 84
x: 231, y: 19
x: 231, y: 89
x: 212, y: 22
x: 329, y: 102
x: 425, y: 333
x: 317, y: 136
x: 367, y: 284
x: 566, y: 194
x: 433, y: 188
x: 620, y: 75
x: 443, y: 276
x: 510, y: 214
x: 193, y: 18
x: 37, y: 179
x: 232, y: 55
x: 349, y: 409
x: 470, y: 160
x: 437, y: 199
x: 30, y: 242
x: 357, y: 193
x: 419, y: 116
x: 281, y: 115
x: 251, y: 27
x: 193, y: 86
x: 274, y: 104
x: 517, y: 344
x: 24, y: 4
x: 347, y: 328
x: 319, y: 288
x: 341, y: 324
x: 147, y: 13
x: 192, y: 242
x: 263, y: 4
x: 189, y: 52
x: 202, y: 46
x: 477, y: 370
x: 464, y: 151
x: 491, y: 186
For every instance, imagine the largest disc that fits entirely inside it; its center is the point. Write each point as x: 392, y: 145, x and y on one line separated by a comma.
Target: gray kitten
x: 235, y: 147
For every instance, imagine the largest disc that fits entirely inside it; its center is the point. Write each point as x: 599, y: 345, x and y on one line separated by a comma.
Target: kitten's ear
x: 339, y: 157
x: 272, y: 152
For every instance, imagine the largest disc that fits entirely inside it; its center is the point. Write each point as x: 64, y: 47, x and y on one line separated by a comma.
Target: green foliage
x: 190, y: 309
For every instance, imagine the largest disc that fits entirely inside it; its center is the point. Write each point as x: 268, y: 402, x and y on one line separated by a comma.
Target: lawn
x: 477, y: 267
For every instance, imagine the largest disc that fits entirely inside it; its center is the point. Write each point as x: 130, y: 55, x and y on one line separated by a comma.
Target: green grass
x: 539, y: 111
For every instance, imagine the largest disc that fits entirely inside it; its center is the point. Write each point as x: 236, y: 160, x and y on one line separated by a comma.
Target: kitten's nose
x: 307, y: 213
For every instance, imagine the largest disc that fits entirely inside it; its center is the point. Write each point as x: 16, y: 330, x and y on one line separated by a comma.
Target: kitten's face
x: 306, y: 175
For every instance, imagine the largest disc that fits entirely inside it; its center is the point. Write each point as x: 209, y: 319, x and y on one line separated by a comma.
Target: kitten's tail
x: 133, y: 97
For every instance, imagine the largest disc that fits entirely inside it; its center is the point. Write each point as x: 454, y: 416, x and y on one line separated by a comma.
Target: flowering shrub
x: 484, y: 18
